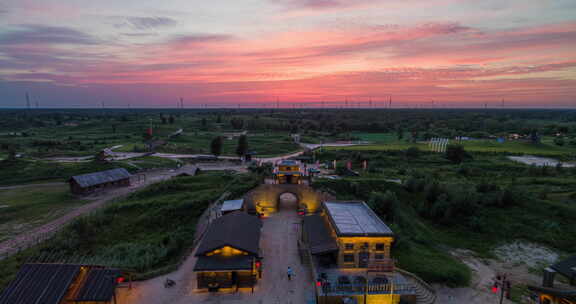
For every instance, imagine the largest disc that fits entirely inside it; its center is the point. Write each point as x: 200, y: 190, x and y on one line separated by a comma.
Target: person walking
x: 290, y: 273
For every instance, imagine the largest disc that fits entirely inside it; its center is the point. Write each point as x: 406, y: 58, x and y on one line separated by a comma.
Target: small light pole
x: 502, y: 284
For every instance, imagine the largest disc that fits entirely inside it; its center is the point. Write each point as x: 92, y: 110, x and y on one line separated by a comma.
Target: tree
x: 204, y: 122
x: 216, y: 146
x: 219, y: 118
x: 163, y: 118
x: 412, y: 152
x: 242, y: 147
x: 171, y: 119
x: 384, y: 204
x: 456, y: 153
x: 559, y: 141
x: 400, y: 133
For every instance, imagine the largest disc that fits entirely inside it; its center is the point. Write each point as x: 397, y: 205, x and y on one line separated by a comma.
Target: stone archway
x: 265, y: 199
x: 288, y: 201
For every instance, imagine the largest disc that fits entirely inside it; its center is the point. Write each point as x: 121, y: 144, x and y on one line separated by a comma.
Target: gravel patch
x: 539, y: 161
x: 532, y: 255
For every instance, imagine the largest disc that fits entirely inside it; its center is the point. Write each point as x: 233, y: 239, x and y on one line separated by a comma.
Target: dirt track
x: 43, y: 232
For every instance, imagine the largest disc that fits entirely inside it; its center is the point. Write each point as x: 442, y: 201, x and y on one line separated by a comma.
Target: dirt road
x: 43, y: 232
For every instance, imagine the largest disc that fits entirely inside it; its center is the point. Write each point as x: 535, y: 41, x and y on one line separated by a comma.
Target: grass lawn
x: 24, y: 208
x: 512, y: 147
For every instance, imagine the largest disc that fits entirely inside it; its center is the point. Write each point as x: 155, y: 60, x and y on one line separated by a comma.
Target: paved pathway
x: 279, y: 249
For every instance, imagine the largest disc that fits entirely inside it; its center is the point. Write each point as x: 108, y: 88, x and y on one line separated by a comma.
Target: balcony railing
x: 327, y: 288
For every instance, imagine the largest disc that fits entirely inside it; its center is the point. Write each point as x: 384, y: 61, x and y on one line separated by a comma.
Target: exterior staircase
x: 425, y: 294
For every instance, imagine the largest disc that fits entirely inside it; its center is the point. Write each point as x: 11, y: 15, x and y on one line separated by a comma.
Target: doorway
x: 363, y: 257
x: 287, y: 201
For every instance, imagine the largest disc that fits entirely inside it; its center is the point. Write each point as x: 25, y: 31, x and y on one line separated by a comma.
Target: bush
x: 456, y: 153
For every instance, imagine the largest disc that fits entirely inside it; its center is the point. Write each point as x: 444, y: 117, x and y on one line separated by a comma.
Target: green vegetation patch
x: 24, y: 208
x: 147, y: 232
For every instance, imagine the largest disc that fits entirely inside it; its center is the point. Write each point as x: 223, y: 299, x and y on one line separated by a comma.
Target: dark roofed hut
x: 88, y: 183
x: 62, y: 283
x: 229, y: 253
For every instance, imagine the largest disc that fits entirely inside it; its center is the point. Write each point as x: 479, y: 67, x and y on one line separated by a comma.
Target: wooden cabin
x: 229, y: 253
x: 552, y: 293
x: 62, y: 284
x: 349, y: 235
x: 91, y: 182
x: 288, y: 172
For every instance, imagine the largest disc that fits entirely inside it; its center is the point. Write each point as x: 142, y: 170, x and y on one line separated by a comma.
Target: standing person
x: 290, y: 273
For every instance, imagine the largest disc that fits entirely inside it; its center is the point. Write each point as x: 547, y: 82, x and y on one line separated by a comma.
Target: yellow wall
x: 265, y: 197
x: 226, y: 251
x: 371, y: 299
x: 359, y: 247
x: 294, y: 168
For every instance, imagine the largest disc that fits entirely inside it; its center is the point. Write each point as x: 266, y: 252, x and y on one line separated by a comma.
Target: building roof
x: 232, y: 205
x: 102, y: 177
x: 237, y: 229
x: 566, y: 267
x: 355, y: 219
x: 188, y: 171
x: 318, y: 235
x: 49, y: 283
x: 99, y: 285
x: 288, y: 162
x: 40, y: 283
x: 218, y: 262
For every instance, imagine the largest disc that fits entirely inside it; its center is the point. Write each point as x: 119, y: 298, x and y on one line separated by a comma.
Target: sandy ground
x: 279, y: 249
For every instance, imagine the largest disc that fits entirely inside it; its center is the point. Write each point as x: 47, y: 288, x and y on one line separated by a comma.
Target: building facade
x: 229, y: 254
x: 288, y: 172
x: 349, y: 248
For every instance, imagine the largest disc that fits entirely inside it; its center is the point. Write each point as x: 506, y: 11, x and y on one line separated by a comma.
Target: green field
x: 35, y: 171
x: 22, y: 209
x: 387, y: 142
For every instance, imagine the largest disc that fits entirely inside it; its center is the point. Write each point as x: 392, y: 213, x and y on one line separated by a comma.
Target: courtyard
x: 279, y: 250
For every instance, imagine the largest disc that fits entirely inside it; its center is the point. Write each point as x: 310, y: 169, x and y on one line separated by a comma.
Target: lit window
x: 349, y: 258
x: 349, y: 246
x: 380, y: 247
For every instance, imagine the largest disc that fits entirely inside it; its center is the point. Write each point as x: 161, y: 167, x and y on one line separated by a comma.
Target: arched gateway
x: 265, y: 199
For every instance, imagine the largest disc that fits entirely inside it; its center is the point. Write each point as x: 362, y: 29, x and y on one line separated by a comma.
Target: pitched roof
x: 188, y: 171
x: 217, y: 262
x: 566, y: 267
x: 355, y: 219
x: 97, y: 178
x: 40, y: 283
x: 288, y: 162
x: 99, y: 285
x: 236, y: 229
x: 319, y: 238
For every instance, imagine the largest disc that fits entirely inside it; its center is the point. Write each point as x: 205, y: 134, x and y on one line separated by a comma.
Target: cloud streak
x: 44, y: 34
x: 147, y: 23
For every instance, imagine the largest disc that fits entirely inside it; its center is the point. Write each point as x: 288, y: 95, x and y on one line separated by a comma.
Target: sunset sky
x: 251, y: 52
